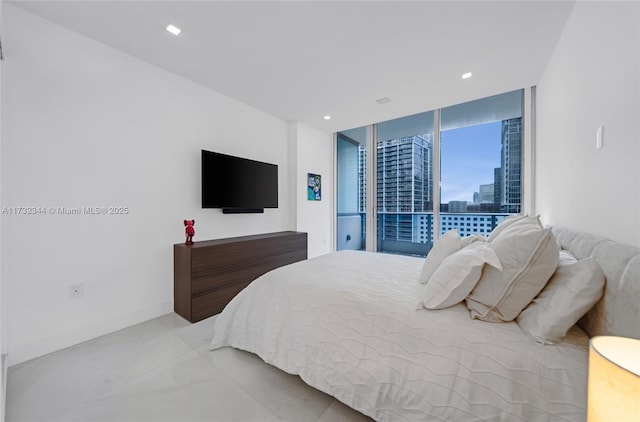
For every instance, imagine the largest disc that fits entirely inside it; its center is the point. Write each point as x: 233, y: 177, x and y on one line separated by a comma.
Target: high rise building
x: 362, y: 178
x: 362, y: 190
x: 511, y: 165
x: 404, y: 174
x: 486, y: 194
x: 468, y: 224
x: 497, y: 186
x: 404, y: 185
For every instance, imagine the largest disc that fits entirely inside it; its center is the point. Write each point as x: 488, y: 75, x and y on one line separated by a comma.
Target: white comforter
x: 348, y: 324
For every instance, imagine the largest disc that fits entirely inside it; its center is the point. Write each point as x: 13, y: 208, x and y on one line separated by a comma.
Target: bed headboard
x: 618, y: 312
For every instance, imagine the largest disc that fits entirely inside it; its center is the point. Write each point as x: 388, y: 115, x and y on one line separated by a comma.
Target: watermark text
x: 58, y: 210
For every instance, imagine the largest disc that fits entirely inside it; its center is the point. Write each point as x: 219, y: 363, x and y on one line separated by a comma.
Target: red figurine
x: 189, y: 231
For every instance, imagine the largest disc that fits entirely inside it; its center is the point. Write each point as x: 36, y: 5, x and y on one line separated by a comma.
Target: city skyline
x: 478, y: 181
x: 469, y: 156
x: 477, y: 162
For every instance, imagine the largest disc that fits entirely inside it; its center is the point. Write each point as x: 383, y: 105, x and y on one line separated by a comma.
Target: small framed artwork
x: 314, y: 192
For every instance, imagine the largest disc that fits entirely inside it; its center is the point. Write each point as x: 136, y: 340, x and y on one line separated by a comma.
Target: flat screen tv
x: 238, y: 185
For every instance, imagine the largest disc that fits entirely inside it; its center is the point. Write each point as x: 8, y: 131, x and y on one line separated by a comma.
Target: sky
x: 469, y: 155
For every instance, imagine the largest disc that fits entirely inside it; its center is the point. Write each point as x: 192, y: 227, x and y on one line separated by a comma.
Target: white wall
x: 86, y: 125
x: 592, y: 79
x: 314, y: 154
x: 3, y: 296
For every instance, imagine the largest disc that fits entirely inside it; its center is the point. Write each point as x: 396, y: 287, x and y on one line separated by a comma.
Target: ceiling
x: 302, y: 60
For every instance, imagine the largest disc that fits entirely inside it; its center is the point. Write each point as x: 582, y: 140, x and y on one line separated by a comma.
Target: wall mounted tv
x: 238, y: 185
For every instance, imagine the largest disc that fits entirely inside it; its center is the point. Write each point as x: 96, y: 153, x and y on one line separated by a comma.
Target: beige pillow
x: 445, y: 246
x: 529, y: 256
x: 572, y: 291
x: 457, y: 275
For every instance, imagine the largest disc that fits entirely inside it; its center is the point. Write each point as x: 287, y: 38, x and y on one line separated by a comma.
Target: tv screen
x: 237, y: 184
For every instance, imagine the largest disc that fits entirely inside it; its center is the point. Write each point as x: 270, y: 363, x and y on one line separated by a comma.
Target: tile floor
x: 162, y: 370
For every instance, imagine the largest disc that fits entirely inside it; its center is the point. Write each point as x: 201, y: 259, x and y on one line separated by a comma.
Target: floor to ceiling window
x: 404, y: 184
x: 467, y: 158
x: 481, y: 163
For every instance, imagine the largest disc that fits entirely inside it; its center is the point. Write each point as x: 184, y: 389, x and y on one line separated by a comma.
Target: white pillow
x: 572, y: 291
x: 466, y: 241
x: 445, y: 246
x: 457, y: 275
x: 529, y: 256
x: 508, y: 221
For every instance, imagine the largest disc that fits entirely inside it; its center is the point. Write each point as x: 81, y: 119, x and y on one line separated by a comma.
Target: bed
x: 350, y: 324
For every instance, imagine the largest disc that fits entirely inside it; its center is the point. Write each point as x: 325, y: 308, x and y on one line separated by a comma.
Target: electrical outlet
x: 76, y: 291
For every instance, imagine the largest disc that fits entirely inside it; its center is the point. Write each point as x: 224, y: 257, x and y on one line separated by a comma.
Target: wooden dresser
x: 208, y: 274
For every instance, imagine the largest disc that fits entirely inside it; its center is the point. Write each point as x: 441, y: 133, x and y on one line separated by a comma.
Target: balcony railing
x: 412, y: 233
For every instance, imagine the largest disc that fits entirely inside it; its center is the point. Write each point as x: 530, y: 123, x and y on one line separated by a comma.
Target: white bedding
x: 347, y: 323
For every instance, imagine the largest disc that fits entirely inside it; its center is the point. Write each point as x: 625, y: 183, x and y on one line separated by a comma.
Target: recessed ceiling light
x: 383, y: 100
x: 466, y: 75
x: 327, y: 117
x: 173, y: 29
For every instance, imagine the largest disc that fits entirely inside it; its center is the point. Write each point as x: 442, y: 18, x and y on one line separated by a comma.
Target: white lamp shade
x: 614, y: 379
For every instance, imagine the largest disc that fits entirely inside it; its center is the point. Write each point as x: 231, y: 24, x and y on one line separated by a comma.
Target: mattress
x: 350, y: 324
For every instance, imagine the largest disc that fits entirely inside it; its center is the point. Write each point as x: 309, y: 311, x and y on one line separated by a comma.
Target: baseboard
x: 24, y: 352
